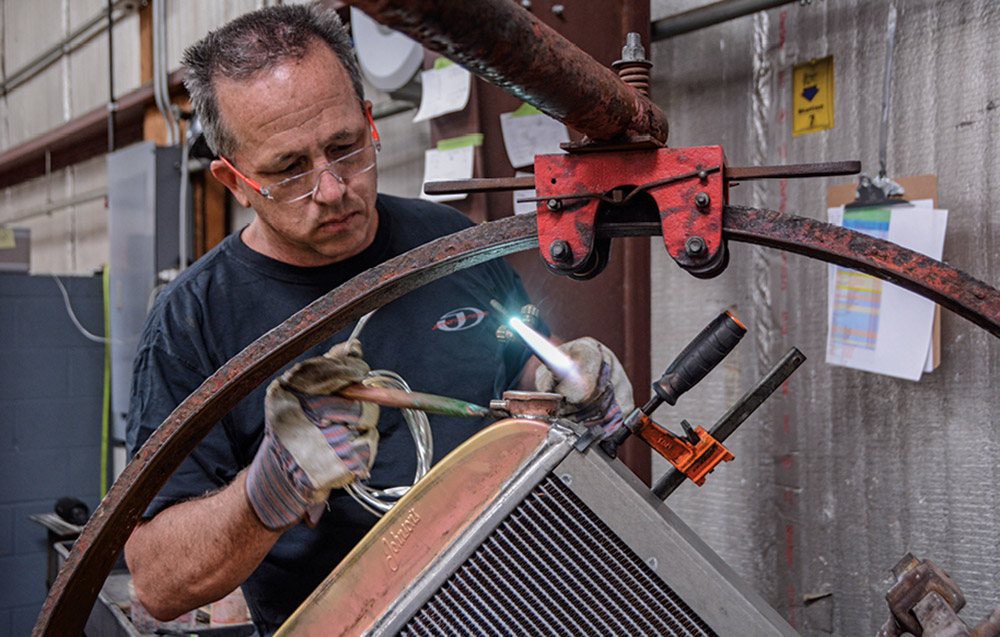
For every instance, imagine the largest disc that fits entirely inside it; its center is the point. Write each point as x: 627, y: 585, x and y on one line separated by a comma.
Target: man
x: 281, y: 101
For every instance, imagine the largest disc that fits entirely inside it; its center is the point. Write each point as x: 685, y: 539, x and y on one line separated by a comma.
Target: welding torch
x: 404, y: 399
x: 561, y: 365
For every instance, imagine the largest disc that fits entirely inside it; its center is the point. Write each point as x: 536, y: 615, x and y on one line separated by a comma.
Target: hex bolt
x: 633, y: 49
x: 561, y: 251
x: 703, y: 175
x: 695, y: 247
x: 558, y: 9
x: 553, y: 205
x: 702, y: 200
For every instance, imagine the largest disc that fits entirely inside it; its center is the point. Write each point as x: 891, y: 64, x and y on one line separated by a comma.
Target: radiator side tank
x: 517, y: 532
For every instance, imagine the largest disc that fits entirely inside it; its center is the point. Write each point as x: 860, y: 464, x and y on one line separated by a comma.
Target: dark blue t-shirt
x: 440, y: 338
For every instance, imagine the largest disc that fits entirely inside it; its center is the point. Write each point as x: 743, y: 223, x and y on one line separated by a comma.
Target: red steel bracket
x: 687, y: 184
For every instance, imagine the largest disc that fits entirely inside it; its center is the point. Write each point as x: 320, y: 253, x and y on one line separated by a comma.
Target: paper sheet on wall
x: 453, y: 163
x: 873, y: 325
x: 528, y: 132
x: 527, y: 207
x: 445, y: 89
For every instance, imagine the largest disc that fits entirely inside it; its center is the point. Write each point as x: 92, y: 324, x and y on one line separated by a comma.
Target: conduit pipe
x: 53, y: 207
x: 709, y: 15
x: 81, y: 138
x: 160, y: 91
x: 80, y: 36
x: 506, y: 45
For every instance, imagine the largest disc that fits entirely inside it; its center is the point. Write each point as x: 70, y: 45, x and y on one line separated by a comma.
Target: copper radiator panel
x: 516, y: 532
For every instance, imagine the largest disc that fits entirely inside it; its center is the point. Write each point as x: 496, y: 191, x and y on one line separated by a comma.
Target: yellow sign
x: 812, y: 96
x: 7, y: 239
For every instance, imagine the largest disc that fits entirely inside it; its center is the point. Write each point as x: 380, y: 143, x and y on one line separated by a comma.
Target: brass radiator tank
x: 518, y: 532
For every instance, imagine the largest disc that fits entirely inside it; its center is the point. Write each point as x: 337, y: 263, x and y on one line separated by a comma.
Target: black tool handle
x: 739, y: 412
x: 699, y: 358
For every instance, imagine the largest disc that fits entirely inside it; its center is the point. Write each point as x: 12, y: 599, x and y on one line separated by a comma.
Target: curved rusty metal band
x: 964, y: 295
x: 506, y: 45
x: 72, y: 595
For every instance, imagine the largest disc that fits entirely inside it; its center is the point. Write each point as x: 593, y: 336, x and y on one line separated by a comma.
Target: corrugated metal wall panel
x: 833, y: 483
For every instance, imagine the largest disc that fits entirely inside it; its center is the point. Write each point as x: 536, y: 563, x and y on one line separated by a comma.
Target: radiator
x: 518, y: 533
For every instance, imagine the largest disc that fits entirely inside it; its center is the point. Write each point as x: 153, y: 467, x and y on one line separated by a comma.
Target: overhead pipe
x: 80, y: 36
x: 709, y: 15
x: 506, y: 45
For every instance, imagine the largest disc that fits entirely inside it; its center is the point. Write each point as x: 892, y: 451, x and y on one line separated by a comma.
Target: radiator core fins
x: 536, y: 552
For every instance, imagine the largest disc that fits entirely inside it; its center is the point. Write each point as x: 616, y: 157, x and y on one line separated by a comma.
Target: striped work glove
x: 314, y: 440
x: 599, y: 393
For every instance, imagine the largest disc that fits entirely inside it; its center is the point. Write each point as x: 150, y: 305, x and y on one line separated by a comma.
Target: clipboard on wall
x: 915, y: 188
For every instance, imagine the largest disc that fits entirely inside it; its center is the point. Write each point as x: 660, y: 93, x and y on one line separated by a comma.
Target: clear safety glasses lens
x: 305, y: 184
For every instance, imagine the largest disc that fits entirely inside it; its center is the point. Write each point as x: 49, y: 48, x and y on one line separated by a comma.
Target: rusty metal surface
x: 925, y: 600
x: 482, y: 184
x: 964, y: 295
x: 72, y: 595
x: 506, y: 45
x: 675, y: 178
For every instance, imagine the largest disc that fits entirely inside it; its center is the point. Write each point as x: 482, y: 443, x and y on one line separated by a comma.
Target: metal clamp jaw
x: 695, y: 455
x: 685, y: 187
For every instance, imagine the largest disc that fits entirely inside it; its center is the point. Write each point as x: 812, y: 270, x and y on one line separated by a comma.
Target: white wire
x: 72, y: 315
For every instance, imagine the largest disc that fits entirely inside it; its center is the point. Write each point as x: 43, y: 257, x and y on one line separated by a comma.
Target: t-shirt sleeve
x: 160, y: 382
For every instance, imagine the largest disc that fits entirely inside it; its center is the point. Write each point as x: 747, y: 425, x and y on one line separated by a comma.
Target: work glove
x: 599, y: 393
x: 314, y: 440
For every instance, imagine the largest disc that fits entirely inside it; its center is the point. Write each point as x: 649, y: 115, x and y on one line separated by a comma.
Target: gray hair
x: 256, y: 42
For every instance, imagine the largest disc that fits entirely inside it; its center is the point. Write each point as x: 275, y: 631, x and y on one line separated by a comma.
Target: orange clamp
x: 695, y: 461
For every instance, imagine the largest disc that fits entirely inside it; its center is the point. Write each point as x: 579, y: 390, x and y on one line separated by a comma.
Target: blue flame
x: 561, y: 365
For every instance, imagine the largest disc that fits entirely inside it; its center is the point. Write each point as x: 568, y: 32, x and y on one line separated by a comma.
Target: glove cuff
x: 277, y: 488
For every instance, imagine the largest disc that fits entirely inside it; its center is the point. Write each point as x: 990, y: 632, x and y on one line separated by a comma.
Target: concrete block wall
x: 51, y: 391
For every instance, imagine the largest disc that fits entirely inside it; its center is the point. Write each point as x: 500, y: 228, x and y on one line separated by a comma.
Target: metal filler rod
x: 739, y: 412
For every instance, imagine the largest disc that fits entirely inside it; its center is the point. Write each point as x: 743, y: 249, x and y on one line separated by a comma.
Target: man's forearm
x: 196, y: 552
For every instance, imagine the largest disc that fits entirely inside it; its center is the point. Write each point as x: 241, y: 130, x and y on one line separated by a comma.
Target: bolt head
x: 553, y: 205
x: 695, y: 246
x: 561, y: 251
x: 702, y: 200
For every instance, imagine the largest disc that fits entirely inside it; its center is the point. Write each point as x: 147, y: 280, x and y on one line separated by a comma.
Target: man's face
x: 287, y: 120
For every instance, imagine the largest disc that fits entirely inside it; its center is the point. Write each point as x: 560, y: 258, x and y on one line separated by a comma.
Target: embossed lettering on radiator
x: 397, y: 537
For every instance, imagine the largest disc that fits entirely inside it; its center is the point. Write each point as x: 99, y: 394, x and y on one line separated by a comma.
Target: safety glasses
x: 306, y: 184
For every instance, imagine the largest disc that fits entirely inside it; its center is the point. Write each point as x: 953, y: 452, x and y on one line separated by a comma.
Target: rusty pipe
x: 506, y: 45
